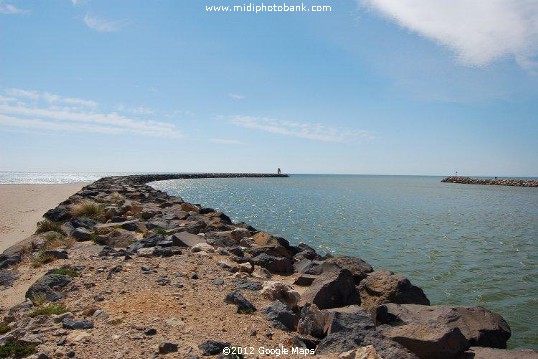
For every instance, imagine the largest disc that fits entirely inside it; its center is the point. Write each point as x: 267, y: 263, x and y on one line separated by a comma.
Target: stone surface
x: 312, y: 321
x: 490, y: 353
x: 243, y: 305
x: 185, y: 239
x: 280, y: 265
x: 279, y: 291
x: 386, y: 287
x: 46, y: 286
x: 358, y: 267
x: 281, y: 316
x: 480, y: 326
x: 332, y: 290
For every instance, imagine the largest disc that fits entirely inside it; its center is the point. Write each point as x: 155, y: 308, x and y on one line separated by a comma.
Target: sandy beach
x: 23, y: 205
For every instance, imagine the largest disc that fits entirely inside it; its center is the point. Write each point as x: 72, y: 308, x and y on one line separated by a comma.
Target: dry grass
x: 48, y: 226
x: 57, y: 240
x: 90, y: 209
x: 41, y: 258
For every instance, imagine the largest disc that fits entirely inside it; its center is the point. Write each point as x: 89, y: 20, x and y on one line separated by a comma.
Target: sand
x: 23, y: 205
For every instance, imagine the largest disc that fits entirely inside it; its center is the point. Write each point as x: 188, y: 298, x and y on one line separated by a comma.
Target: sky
x: 407, y: 87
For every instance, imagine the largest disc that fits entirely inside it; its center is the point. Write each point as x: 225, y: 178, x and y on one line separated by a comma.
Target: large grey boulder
x: 478, y: 325
x: 281, y: 316
x: 386, y: 287
x: 332, y: 290
x: 280, y: 265
x: 185, y: 239
x: 358, y: 268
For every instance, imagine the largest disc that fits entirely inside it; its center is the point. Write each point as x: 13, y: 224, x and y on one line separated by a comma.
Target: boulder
x: 243, y: 305
x: 83, y: 222
x: 367, y: 352
x: 428, y: 340
x: 273, y: 264
x: 312, y: 321
x: 478, y: 325
x: 69, y: 323
x: 358, y: 268
x: 332, y: 290
x: 305, y: 280
x: 280, y: 291
x: 81, y: 234
x: 281, y: 316
x: 386, y: 287
x: 212, y: 347
x: 202, y: 247
x: 46, y: 286
x: 185, y: 239
x: 119, y: 238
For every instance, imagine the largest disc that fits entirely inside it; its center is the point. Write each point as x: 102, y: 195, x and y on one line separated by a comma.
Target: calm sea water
x: 463, y: 244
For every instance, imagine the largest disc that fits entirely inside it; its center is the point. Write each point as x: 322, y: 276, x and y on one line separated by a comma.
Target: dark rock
x: 206, y: 210
x: 312, y: 321
x: 45, y: 287
x: 243, y: 305
x: 479, y: 326
x: 83, y: 222
x: 71, y: 354
x: 81, y: 234
x: 358, y: 268
x: 273, y: 264
x: 332, y: 290
x: 58, y: 214
x: 246, y: 284
x: 114, y: 270
x: 119, y: 238
x: 69, y: 323
x: 150, y: 332
x: 212, y: 347
x: 56, y: 253
x: 305, y: 280
x: 167, y: 347
x: 195, y: 226
x: 166, y: 252
x: 131, y: 225
x: 8, y: 277
x: 386, y: 287
x: 9, y: 260
x: 304, y: 342
x: 163, y: 281
x: 185, y: 239
x: 236, y: 251
x: 195, y: 276
x: 281, y: 316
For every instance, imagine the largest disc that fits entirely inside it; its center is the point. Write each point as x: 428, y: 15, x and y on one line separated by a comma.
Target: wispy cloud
x: 311, y: 131
x: 237, y: 97
x: 42, y: 110
x: 9, y: 9
x: 222, y: 141
x: 77, y: 2
x: 103, y: 25
x: 479, y: 32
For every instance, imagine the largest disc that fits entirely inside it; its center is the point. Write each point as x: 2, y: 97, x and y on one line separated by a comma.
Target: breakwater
x: 493, y: 181
x: 146, y: 267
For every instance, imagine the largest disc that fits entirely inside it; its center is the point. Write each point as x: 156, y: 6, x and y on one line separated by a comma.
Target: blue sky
x: 371, y: 87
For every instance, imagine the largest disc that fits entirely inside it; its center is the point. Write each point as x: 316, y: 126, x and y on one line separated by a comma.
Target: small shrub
x: 90, y: 209
x: 17, y: 349
x: 116, y: 197
x: 41, y: 258
x: 4, y: 328
x: 39, y: 299
x: 66, y: 271
x: 48, y: 226
x: 48, y: 310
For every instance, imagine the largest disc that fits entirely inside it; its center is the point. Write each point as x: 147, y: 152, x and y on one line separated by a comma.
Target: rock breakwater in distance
x: 492, y: 181
x: 121, y: 269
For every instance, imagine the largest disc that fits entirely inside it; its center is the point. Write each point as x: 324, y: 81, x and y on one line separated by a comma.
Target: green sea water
x: 463, y: 244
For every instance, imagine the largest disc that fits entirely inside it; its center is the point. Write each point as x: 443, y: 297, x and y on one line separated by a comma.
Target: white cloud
x: 102, y: 25
x: 479, y: 31
x: 311, y: 131
x: 222, y: 141
x: 237, y: 97
x: 9, y: 9
x: 77, y: 2
x: 32, y: 109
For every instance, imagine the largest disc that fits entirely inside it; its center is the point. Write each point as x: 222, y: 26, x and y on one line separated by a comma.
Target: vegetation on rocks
x: 66, y: 271
x: 17, y: 349
x: 4, y: 327
x: 42, y: 258
x: 49, y: 309
x: 49, y: 226
x: 90, y: 209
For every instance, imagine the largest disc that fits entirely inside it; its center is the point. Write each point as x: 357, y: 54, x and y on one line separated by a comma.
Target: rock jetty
x: 122, y: 270
x: 494, y: 181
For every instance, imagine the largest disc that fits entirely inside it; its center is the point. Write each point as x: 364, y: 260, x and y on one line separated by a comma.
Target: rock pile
x: 495, y: 181
x: 147, y: 274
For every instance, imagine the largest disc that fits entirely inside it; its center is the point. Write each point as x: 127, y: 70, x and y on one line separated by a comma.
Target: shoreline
x: 140, y: 225
x: 23, y: 205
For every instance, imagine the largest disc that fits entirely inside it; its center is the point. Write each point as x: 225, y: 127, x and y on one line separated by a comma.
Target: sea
x: 462, y: 244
